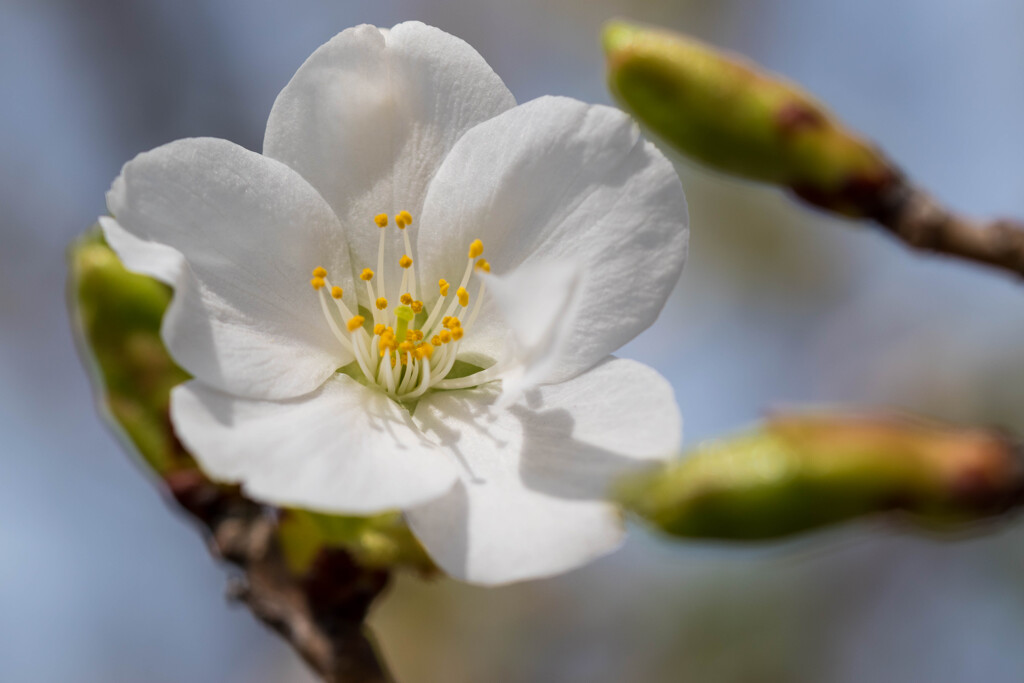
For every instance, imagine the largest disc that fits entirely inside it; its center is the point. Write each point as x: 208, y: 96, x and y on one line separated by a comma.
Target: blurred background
x: 100, y: 582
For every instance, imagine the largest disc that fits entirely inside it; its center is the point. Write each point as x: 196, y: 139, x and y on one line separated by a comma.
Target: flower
x: 408, y: 301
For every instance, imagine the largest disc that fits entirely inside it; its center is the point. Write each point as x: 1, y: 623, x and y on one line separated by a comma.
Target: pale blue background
x: 99, y: 582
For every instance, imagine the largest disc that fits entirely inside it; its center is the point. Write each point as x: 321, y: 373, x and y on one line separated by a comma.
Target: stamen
x: 405, y: 280
x: 342, y: 308
x: 404, y: 361
x: 435, y: 313
x: 411, y: 372
x: 477, y: 305
x: 476, y: 248
x: 381, y: 218
x: 388, y: 375
x: 333, y: 325
x: 407, y: 220
x: 424, y: 382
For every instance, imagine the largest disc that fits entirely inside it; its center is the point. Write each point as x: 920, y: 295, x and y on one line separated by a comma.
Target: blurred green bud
x: 728, y: 114
x: 793, y: 474
x: 116, y: 317
x: 375, y: 542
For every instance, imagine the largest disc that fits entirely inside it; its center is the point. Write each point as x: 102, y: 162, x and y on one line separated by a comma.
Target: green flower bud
x: 116, y: 316
x: 726, y: 113
x: 793, y: 474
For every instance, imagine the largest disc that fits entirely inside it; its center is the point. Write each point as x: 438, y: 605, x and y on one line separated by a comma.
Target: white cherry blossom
x: 408, y: 301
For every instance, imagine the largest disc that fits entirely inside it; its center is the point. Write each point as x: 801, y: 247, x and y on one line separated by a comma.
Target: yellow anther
x: 457, y: 333
x: 419, y: 334
x: 410, y: 335
x: 435, y: 340
x: 379, y: 328
x: 406, y: 298
x: 417, y: 306
x: 337, y: 292
x: 355, y: 322
x: 382, y: 303
x: 406, y: 217
x: 446, y: 320
x: 443, y: 284
x: 381, y: 219
x: 424, y: 351
x: 451, y: 322
x: 319, y: 272
x: 405, y: 261
x: 366, y: 275
x: 476, y: 248
x: 406, y: 347
x: 463, y: 297
x: 317, y: 282
x: 400, y: 222
x: 445, y: 336
x: 483, y: 265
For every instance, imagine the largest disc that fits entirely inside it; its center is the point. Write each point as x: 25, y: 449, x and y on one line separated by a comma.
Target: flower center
x: 407, y: 348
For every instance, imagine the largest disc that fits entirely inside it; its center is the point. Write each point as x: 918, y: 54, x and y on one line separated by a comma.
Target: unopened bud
x: 792, y: 474
x: 728, y: 114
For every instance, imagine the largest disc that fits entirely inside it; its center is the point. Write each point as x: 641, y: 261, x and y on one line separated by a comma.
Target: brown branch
x: 320, y: 614
x: 916, y: 218
x: 913, y: 216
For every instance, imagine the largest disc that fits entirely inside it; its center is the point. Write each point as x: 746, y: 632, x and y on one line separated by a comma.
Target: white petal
x: 556, y: 179
x: 237, y: 235
x: 368, y: 118
x: 344, y: 448
x: 539, y: 303
x: 530, y: 502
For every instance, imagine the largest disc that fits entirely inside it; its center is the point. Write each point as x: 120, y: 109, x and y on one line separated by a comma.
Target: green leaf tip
x: 728, y: 114
x: 795, y: 474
